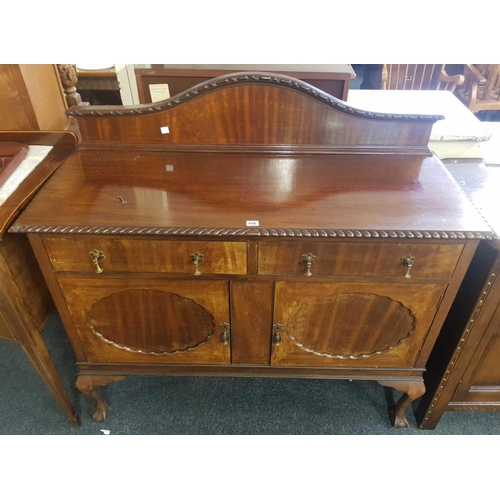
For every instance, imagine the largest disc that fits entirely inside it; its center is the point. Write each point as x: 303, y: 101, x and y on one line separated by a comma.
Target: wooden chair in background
x: 69, y: 80
x: 418, y: 77
x: 481, y: 91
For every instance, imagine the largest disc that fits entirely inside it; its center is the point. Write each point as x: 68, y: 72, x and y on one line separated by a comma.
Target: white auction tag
x: 159, y: 91
x: 252, y: 222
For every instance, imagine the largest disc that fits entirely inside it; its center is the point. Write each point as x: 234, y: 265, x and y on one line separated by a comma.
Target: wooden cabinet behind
x: 463, y: 372
x: 332, y: 78
x: 25, y: 302
x: 31, y: 98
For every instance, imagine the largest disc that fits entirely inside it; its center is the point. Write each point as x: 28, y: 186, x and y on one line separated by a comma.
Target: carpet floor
x: 196, y: 405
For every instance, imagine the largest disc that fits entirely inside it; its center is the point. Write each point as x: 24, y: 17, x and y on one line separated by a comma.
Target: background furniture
x: 24, y: 299
x: 412, y: 76
x: 491, y: 153
x: 463, y: 372
x: 418, y: 77
x: 253, y: 226
x: 459, y: 135
x: 332, y: 78
x: 99, y: 85
x: 31, y: 98
x: 481, y: 91
x: 69, y: 80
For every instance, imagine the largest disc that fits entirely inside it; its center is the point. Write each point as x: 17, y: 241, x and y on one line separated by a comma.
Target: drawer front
x: 358, y: 259
x: 145, y: 255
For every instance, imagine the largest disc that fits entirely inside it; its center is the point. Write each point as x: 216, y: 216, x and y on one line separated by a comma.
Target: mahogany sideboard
x: 253, y: 226
x: 334, y: 79
x: 25, y: 301
x: 463, y: 372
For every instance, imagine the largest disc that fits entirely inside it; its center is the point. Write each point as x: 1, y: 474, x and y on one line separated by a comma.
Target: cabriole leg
x: 87, y: 385
x: 412, y: 390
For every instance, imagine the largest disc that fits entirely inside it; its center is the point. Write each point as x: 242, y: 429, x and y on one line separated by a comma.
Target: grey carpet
x: 195, y: 405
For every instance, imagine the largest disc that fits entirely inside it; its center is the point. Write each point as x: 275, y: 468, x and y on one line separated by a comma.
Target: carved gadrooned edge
x: 150, y: 353
x: 465, y: 335
x: 362, y: 355
x: 203, y: 231
x: 247, y: 77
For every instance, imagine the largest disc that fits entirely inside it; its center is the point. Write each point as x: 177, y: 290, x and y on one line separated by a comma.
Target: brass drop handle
x: 309, y: 259
x: 408, y: 261
x: 196, y: 258
x: 225, y: 333
x: 97, y: 256
x: 277, y: 329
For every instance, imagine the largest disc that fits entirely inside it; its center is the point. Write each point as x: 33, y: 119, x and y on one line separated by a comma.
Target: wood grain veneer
x: 205, y: 194
x: 146, y: 255
x: 253, y: 109
x: 369, y: 259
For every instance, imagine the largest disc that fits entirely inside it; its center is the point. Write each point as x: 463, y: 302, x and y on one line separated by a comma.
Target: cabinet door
x: 150, y: 321
x: 352, y: 324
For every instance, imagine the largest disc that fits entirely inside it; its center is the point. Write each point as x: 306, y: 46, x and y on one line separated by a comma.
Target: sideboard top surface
x: 481, y: 182
x: 204, y: 193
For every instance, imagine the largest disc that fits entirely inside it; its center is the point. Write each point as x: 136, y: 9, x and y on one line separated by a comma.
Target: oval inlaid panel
x: 151, y: 322
x: 350, y: 325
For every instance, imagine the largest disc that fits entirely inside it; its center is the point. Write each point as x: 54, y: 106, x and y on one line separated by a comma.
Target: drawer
x: 358, y: 259
x: 146, y: 255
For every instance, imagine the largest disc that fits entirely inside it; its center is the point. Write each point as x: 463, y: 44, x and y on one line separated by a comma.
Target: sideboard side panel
x: 36, y: 242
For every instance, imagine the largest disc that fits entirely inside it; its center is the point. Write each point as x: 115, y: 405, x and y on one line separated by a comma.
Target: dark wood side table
x: 25, y: 301
x: 463, y: 371
x: 332, y: 78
